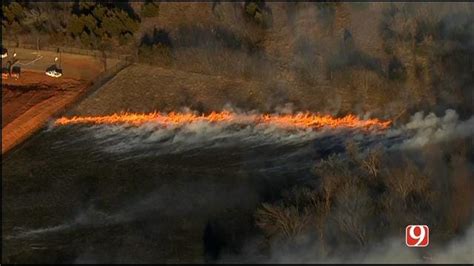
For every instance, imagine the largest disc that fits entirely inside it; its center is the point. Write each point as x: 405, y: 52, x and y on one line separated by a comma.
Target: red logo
x: 417, y: 236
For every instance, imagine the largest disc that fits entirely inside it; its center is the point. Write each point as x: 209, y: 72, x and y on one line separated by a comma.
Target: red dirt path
x: 27, y: 103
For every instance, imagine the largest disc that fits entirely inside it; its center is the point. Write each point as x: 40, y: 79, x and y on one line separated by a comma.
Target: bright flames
x: 300, y: 120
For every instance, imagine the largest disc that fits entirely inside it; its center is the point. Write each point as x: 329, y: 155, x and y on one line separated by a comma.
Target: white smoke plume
x: 431, y: 129
x: 88, y: 217
x: 392, y: 250
x: 152, y: 139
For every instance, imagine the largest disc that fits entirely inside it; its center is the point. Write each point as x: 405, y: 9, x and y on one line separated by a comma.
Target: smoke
x: 261, y: 148
x: 155, y: 139
x: 391, y: 250
x: 432, y: 129
x: 394, y: 251
x: 85, y: 218
x: 21, y: 233
x: 459, y: 251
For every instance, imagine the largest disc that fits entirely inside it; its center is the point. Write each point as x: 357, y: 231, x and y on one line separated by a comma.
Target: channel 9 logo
x: 417, y: 236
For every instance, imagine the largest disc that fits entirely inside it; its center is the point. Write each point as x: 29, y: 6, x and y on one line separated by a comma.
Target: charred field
x: 189, y: 192
x: 73, y: 193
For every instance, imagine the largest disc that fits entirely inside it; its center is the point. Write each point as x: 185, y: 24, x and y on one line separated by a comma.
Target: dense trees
x: 96, y: 25
x: 258, y: 12
x: 92, y: 25
x: 12, y: 15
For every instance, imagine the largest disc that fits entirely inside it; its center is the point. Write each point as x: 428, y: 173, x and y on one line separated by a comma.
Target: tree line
x: 84, y: 24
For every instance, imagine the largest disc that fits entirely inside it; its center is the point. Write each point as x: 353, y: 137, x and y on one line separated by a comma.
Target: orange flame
x: 300, y: 120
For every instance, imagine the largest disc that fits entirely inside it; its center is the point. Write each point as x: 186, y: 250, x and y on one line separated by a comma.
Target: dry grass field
x: 143, y: 88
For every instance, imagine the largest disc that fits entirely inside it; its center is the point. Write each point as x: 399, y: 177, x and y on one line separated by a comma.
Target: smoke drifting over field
x: 391, y: 250
x: 199, y: 170
x: 431, y: 129
x: 156, y: 136
x: 197, y: 137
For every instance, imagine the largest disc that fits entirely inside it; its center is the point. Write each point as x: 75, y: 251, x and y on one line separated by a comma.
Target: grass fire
x: 237, y: 132
x: 300, y: 120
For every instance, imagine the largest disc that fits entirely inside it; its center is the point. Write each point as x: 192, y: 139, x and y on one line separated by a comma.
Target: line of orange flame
x: 302, y: 120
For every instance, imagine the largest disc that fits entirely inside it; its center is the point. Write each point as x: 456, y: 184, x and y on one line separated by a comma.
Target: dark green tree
x: 150, y: 9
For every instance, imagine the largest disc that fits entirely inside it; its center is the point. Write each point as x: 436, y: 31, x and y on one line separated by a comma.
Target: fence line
x: 64, y: 49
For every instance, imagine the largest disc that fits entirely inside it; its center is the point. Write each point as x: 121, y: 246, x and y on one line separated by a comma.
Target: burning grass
x: 300, y: 120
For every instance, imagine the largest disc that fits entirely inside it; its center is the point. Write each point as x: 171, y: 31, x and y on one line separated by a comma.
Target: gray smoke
x: 432, y: 129
x: 153, y: 139
x: 392, y: 250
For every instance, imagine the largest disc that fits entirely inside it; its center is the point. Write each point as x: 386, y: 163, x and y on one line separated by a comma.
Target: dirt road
x: 27, y: 103
x: 73, y: 65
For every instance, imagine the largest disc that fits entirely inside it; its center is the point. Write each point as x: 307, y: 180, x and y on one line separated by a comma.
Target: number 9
x: 419, y: 237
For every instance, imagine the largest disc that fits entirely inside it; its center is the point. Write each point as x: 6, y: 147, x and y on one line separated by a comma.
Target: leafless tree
x: 35, y: 20
x: 277, y: 220
x: 352, y: 211
x: 372, y: 161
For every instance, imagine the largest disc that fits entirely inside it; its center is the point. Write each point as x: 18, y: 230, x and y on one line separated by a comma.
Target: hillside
x: 378, y: 58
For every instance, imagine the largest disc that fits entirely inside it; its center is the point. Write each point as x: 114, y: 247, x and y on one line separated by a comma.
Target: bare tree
x: 334, y: 171
x: 352, y: 211
x: 371, y: 163
x: 287, y: 222
x: 36, y: 20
